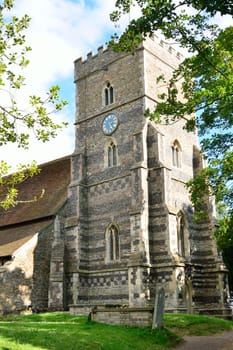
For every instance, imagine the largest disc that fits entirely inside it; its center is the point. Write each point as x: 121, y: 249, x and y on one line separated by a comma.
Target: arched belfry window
x: 112, y: 154
x: 112, y: 243
x: 108, y: 94
x: 176, y: 154
x: 180, y: 234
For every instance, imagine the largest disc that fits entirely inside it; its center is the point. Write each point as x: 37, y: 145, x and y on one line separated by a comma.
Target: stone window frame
x: 180, y: 234
x: 176, y: 154
x: 183, y: 243
x: 108, y: 94
x: 111, y: 153
x: 112, y: 243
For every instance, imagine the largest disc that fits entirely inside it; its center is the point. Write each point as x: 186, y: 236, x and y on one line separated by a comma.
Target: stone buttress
x: 130, y: 230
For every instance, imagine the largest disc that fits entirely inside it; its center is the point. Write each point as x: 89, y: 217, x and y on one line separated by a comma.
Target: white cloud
x: 222, y: 21
x: 60, y: 32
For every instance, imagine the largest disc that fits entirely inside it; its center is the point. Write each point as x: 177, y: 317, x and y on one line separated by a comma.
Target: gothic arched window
x: 112, y: 154
x: 112, y: 243
x: 180, y: 234
x: 108, y: 94
x: 176, y: 154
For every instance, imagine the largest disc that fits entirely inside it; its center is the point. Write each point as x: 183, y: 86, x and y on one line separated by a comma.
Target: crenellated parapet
x: 165, y: 51
x: 105, y: 56
x: 169, y: 47
x: 95, y: 62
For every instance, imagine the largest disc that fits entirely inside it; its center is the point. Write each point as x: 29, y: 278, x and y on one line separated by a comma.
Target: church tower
x: 129, y: 230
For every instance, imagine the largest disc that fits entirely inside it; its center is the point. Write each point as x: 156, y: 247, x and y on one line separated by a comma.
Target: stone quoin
x: 116, y: 222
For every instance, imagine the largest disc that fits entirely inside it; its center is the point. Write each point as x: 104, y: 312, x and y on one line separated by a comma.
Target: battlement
x: 95, y: 61
x: 104, y: 56
x: 168, y: 47
x: 79, y: 61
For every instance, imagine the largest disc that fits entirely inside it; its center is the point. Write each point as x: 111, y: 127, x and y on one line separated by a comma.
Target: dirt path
x: 221, y: 341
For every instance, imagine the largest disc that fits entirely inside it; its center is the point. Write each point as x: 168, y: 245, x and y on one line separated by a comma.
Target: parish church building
x: 115, y: 224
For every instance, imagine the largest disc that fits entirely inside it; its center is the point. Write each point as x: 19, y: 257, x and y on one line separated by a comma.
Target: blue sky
x: 60, y: 32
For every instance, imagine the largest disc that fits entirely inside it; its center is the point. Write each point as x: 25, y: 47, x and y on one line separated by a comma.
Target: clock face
x: 110, y: 124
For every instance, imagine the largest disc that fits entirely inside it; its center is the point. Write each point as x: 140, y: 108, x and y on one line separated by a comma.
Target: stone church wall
x: 24, y: 281
x: 42, y: 256
x: 110, y: 188
x: 143, y: 193
x: 16, y: 280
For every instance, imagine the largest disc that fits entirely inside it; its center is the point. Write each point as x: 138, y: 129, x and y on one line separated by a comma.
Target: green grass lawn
x: 62, y: 331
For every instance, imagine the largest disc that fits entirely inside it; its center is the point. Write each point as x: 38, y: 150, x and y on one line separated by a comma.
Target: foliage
x: 205, y: 80
x: 172, y: 19
x: 63, y: 331
x: 16, y: 124
x: 9, y: 194
x: 224, y: 238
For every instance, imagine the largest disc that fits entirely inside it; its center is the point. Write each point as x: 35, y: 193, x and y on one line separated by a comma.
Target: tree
x: 206, y: 77
x: 16, y: 124
x: 224, y: 236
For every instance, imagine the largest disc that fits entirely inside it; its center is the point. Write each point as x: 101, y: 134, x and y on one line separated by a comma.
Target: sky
x: 60, y: 32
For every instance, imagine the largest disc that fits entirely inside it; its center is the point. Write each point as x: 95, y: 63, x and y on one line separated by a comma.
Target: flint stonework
x: 116, y: 223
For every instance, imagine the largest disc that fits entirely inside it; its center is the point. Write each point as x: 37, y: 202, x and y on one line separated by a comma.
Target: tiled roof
x: 21, y: 222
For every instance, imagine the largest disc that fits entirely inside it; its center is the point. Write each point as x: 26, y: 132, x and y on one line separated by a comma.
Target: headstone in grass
x: 158, y: 309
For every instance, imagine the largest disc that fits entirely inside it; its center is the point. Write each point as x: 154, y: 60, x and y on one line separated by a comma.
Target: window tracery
x: 112, y: 243
x: 108, y: 94
x: 176, y: 154
x: 181, y: 234
x: 112, y: 154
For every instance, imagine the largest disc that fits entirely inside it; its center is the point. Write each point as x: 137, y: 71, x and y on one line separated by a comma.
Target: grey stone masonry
x: 129, y: 228
x: 56, y: 277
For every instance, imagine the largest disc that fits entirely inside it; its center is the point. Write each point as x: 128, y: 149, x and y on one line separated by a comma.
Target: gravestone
x: 158, y: 309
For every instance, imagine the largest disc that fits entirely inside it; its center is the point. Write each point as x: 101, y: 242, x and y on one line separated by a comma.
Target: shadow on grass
x: 61, y: 331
